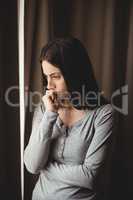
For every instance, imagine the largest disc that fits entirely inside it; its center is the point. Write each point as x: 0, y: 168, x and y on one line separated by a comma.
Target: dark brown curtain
x: 9, y: 115
x: 106, y: 30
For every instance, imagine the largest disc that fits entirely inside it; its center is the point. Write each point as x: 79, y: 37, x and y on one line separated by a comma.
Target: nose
x: 50, y: 84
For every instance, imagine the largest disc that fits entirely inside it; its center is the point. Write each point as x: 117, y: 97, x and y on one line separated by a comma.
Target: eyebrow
x: 53, y: 73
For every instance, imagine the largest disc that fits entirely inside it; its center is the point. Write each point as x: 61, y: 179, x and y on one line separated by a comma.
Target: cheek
x: 62, y: 85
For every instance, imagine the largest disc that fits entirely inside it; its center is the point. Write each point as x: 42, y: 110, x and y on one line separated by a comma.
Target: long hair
x: 69, y: 55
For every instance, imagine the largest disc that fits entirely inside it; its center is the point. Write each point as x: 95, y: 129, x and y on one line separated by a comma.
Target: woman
x: 72, y: 135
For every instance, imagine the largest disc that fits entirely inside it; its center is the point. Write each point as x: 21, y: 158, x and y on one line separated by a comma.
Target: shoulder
x: 104, y: 114
x: 107, y: 108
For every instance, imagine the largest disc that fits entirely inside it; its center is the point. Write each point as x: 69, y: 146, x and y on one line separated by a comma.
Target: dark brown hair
x: 70, y: 56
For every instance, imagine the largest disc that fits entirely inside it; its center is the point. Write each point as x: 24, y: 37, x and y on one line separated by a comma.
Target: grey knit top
x: 72, y: 162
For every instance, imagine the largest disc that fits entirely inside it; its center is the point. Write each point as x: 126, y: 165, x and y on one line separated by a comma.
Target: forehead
x: 48, y: 68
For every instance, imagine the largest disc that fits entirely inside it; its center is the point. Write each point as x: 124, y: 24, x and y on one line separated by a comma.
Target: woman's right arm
x: 37, y: 150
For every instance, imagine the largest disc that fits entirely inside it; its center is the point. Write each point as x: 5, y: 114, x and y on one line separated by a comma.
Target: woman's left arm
x: 99, y: 150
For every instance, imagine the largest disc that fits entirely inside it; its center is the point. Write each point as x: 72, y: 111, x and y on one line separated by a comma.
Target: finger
x: 50, y: 92
x: 53, y: 94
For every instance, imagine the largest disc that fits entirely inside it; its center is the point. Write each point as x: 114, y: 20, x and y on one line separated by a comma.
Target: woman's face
x: 54, y: 77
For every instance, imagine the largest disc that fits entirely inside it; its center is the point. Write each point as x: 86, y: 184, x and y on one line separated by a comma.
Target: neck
x: 65, y: 109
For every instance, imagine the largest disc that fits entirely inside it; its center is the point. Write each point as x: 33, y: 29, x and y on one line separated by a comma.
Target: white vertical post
x: 21, y: 85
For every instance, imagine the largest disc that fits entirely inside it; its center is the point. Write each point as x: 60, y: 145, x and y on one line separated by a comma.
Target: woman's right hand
x: 50, y: 101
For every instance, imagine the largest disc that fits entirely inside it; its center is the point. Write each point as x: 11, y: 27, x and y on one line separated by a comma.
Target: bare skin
x: 56, y: 86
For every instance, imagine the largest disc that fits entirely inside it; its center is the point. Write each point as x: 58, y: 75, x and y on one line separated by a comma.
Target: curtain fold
x: 106, y: 30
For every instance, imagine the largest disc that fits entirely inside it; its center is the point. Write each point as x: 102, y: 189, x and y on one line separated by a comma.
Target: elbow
x: 34, y: 158
x: 32, y: 169
x: 30, y: 165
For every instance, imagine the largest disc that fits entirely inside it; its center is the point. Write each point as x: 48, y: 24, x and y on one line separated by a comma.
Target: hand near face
x: 50, y: 101
x: 55, y: 100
